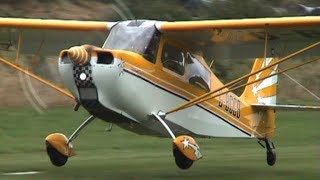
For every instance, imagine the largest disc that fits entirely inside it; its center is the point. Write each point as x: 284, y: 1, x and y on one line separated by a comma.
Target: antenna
x: 211, y: 63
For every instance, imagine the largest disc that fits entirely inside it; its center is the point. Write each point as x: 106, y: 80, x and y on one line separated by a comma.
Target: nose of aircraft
x: 79, y: 55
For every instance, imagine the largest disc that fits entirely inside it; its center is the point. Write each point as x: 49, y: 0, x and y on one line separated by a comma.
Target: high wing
x: 245, y: 38
x: 50, y: 35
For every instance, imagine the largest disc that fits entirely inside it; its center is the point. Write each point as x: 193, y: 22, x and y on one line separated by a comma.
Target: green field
x: 123, y: 155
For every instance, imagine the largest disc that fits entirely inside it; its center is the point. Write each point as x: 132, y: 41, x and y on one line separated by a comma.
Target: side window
x: 173, y: 59
x: 197, y: 74
x: 151, y: 51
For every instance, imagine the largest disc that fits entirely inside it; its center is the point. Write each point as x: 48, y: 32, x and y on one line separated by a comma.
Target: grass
x: 120, y: 154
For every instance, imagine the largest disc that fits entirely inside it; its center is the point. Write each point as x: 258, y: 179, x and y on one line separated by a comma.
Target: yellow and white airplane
x: 151, y: 77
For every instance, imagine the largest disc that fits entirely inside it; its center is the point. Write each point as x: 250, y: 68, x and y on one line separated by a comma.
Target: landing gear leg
x: 75, y: 134
x: 271, y: 152
x: 59, y: 147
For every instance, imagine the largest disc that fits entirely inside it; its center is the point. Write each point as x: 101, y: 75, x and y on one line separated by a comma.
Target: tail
x: 264, y: 91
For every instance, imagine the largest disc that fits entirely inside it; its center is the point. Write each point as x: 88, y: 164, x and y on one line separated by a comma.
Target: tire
x: 181, y: 160
x: 55, y: 156
x: 271, y: 157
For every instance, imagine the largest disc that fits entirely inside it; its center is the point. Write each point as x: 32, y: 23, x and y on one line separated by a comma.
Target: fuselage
x: 140, y: 72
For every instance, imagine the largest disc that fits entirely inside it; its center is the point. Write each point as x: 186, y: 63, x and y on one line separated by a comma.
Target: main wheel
x: 271, y: 157
x: 181, y: 160
x: 55, y: 156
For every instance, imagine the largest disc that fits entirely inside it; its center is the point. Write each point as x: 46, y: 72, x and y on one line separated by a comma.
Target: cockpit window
x: 196, y: 73
x: 142, y: 38
x: 151, y: 49
x: 173, y: 59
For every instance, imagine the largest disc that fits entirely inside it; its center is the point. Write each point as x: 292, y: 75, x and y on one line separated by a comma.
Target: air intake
x: 105, y: 58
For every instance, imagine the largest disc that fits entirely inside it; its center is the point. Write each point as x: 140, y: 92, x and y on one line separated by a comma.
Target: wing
x: 46, y: 37
x: 52, y: 35
x: 245, y: 38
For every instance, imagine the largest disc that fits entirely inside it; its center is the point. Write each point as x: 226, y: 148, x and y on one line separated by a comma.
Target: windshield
x: 134, y: 36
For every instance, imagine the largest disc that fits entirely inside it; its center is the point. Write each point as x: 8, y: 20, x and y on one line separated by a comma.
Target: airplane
x: 152, y: 77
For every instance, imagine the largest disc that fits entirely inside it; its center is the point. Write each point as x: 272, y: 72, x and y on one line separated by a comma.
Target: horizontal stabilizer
x: 286, y: 107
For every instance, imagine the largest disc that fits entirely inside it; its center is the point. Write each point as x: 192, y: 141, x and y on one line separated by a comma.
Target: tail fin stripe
x: 268, y: 100
x: 265, y: 83
x: 269, y: 91
x: 265, y: 90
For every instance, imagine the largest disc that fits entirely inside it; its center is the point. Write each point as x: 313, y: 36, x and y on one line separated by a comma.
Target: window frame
x: 197, y: 73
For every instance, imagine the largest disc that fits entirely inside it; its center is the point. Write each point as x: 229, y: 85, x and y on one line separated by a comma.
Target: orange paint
x: 258, y: 23
x: 53, y: 24
x: 188, y: 146
x: 60, y: 143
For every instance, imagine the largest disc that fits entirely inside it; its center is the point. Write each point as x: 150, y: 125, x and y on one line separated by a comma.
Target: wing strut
x: 303, y: 87
x: 19, y: 47
x: 207, y: 96
x: 265, y: 44
x: 65, y: 92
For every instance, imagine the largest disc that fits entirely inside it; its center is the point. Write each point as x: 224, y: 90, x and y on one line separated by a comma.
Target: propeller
x: 80, y: 55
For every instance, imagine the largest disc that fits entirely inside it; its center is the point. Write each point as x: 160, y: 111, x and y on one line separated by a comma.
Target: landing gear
x: 59, y: 147
x: 271, y: 157
x: 271, y: 152
x: 185, y: 149
x: 56, y: 158
x: 181, y: 160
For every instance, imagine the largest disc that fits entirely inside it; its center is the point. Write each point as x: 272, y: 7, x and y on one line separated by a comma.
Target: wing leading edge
x: 257, y: 23
x: 50, y: 34
x: 53, y: 24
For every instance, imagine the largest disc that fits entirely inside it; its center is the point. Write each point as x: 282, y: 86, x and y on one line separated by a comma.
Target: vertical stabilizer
x: 264, y: 91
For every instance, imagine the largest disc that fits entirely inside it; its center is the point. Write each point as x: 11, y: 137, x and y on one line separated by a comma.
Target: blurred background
x: 156, y: 9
